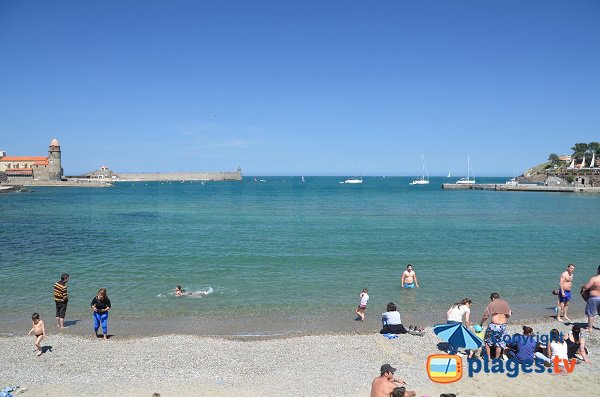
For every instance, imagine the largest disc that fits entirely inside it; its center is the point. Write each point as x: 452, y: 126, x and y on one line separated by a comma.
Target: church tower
x: 55, y: 170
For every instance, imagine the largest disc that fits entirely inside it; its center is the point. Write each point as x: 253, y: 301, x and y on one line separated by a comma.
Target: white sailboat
x: 303, y: 179
x: 449, y: 175
x: 354, y: 180
x: 423, y: 180
x: 467, y: 180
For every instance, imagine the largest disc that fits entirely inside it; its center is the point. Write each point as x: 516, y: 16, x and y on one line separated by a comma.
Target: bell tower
x: 55, y: 170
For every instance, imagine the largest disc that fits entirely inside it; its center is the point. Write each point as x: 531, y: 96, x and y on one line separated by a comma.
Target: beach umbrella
x: 457, y: 335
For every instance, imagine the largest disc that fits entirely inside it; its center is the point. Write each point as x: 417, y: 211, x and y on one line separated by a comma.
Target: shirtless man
x: 592, y: 309
x: 409, y: 278
x: 499, y: 310
x: 384, y: 385
x: 564, y: 292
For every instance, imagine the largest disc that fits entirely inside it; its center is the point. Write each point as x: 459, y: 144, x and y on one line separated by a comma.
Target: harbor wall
x: 181, y: 176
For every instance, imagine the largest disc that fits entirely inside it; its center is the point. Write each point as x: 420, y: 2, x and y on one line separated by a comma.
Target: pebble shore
x: 313, y: 365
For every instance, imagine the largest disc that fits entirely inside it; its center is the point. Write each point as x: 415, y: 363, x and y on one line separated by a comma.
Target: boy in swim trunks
x: 362, y: 306
x: 409, y: 278
x: 39, y: 331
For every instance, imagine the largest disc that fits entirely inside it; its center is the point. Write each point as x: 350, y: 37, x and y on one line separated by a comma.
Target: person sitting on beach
x: 524, y: 346
x: 409, y: 278
x: 591, y: 291
x: 564, y: 293
x: 362, y: 306
x: 576, y: 344
x: 499, y: 311
x: 557, y: 347
x: 384, y: 385
x: 181, y: 292
x: 391, y: 321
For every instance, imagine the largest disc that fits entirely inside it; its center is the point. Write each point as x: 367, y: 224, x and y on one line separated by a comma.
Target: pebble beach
x: 309, y: 365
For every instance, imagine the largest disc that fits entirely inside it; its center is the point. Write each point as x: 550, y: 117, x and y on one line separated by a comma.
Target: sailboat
x: 303, y: 179
x: 356, y: 179
x: 467, y: 180
x: 422, y: 180
x: 449, y: 175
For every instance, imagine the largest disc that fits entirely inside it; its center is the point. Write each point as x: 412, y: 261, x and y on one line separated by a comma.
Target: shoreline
x: 315, y: 365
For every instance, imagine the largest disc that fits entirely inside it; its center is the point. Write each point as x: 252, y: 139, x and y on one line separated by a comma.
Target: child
x: 40, y: 332
x: 364, y: 299
x: 481, y: 335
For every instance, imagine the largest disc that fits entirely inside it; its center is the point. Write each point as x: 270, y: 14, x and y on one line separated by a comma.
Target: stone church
x: 33, y: 168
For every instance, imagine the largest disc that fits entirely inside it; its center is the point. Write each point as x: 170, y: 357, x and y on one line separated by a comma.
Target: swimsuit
x: 407, y: 285
x: 564, y: 298
x: 494, y: 335
x: 593, y: 306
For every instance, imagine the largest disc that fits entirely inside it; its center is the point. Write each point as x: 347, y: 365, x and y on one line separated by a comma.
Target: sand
x: 310, y: 365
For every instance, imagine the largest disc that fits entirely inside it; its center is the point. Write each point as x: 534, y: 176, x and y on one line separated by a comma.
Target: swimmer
x: 181, y: 292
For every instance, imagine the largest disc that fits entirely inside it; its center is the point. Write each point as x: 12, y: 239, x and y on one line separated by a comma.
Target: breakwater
x: 182, y: 176
x: 522, y: 188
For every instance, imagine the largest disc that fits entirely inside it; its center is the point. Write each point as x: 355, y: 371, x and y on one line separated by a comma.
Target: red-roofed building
x: 33, y: 168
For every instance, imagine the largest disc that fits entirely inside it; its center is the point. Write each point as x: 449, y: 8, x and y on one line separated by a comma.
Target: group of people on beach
x: 521, y: 347
x: 100, y: 306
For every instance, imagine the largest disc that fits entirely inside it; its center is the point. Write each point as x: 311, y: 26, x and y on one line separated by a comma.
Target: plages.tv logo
x: 444, y: 368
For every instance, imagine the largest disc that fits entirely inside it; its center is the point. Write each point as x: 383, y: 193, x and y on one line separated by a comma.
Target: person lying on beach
x: 409, y: 278
x: 39, y: 331
x: 385, y: 384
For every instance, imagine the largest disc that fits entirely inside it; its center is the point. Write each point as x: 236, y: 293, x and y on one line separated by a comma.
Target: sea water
x: 282, y: 248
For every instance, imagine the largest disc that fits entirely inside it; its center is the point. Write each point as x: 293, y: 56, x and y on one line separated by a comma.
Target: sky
x: 308, y: 87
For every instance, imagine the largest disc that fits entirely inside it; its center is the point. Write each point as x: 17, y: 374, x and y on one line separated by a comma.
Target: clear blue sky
x: 302, y: 87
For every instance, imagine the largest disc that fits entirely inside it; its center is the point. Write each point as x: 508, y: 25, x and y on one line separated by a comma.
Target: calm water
x: 282, y: 247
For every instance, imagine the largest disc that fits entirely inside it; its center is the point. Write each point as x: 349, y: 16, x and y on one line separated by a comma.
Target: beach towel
x: 391, y: 336
x: 7, y: 391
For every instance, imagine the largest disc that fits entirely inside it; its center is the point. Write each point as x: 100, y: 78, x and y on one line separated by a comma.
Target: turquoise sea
x: 280, y: 249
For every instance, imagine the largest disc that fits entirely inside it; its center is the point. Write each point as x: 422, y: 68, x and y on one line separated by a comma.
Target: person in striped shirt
x: 61, y: 298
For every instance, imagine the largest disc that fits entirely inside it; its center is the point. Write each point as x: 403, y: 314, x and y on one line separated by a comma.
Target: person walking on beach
x: 591, y: 290
x: 61, y: 298
x: 101, y: 306
x: 499, y: 311
x: 564, y: 292
x: 384, y: 384
x: 39, y: 331
x: 362, y: 306
x: 409, y: 278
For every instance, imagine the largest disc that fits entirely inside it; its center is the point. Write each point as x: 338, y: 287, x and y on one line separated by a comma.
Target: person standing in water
x: 564, y: 292
x: 409, y: 278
